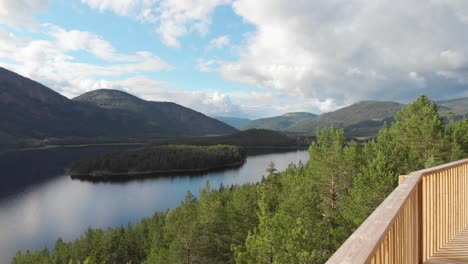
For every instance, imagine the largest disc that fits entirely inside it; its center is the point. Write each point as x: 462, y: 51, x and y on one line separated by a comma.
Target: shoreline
x: 129, y: 176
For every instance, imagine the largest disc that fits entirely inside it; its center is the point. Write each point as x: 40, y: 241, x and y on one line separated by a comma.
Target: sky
x: 242, y: 58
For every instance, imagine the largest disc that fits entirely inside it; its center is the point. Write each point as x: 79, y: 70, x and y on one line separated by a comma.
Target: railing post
x: 402, y: 178
x: 420, y: 222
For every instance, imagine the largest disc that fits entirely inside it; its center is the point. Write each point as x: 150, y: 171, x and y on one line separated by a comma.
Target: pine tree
x: 419, y: 128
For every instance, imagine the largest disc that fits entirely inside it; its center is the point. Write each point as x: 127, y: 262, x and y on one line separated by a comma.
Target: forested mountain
x: 280, y: 123
x: 360, y: 119
x: 459, y: 106
x: 28, y: 109
x: 301, y: 215
x: 236, y: 122
x: 165, y: 117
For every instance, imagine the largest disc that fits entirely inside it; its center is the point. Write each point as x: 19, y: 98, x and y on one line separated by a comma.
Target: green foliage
x: 419, y: 129
x: 300, y: 215
x: 160, y: 159
x: 334, y: 165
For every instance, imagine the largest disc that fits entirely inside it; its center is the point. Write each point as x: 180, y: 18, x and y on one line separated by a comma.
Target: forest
x: 161, y: 159
x: 300, y: 215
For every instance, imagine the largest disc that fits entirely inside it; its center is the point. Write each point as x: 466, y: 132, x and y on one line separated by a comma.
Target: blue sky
x: 241, y: 57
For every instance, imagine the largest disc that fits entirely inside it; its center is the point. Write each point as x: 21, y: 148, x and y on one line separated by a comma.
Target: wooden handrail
x: 419, y: 217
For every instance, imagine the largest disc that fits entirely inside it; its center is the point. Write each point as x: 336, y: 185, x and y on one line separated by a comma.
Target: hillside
x: 30, y: 110
x: 280, y: 123
x: 166, y: 117
x: 361, y: 119
x: 235, y: 122
x: 457, y: 106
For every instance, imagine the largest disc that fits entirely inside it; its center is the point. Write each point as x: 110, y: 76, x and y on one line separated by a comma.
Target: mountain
x: 280, y: 123
x: 29, y: 109
x: 457, y: 106
x: 164, y: 117
x: 233, y: 121
x: 361, y: 119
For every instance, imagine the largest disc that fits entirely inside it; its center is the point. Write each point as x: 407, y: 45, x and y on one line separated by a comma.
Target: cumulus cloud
x: 417, y: 79
x: 48, y: 60
x: 338, y: 52
x: 219, y: 42
x: 173, y: 19
x: 19, y: 12
x: 178, y: 18
x: 121, y: 7
x: 208, y: 65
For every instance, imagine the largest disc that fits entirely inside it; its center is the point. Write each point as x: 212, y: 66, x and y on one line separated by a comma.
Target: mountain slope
x: 233, y: 121
x: 457, y: 106
x: 360, y: 119
x: 168, y: 118
x: 29, y: 109
x: 279, y: 123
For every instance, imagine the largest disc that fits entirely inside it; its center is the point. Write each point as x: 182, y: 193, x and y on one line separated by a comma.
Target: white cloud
x: 178, y: 18
x: 208, y: 65
x: 19, y: 12
x: 173, y: 19
x: 419, y: 80
x: 50, y: 62
x: 344, y: 51
x: 120, y: 7
x: 219, y: 42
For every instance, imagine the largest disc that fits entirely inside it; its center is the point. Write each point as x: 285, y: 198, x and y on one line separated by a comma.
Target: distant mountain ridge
x: 279, y: 123
x: 458, y: 106
x: 29, y: 109
x: 362, y: 119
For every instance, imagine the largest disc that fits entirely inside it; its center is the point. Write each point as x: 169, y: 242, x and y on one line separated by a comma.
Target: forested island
x: 154, y: 160
x: 300, y: 215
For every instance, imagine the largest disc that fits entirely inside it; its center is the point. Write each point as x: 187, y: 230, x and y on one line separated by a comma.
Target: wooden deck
x: 455, y: 251
x: 424, y: 220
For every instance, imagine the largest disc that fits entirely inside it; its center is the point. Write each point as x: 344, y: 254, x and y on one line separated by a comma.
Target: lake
x: 40, y: 203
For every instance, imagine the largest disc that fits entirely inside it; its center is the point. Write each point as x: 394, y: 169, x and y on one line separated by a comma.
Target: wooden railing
x: 416, y: 221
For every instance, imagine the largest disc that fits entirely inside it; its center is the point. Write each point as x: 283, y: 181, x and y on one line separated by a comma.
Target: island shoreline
x: 129, y: 176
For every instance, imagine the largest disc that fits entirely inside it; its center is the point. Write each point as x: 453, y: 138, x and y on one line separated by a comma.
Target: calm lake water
x: 52, y: 205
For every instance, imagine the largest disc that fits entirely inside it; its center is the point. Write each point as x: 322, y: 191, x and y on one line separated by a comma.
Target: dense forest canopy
x: 300, y: 215
x: 159, y: 159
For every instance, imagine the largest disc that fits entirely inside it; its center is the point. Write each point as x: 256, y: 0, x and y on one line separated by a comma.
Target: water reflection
x: 65, y: 208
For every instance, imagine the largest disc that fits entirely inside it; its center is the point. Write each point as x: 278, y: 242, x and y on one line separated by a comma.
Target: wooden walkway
x: 424, y: 220
x: 455, y: 251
